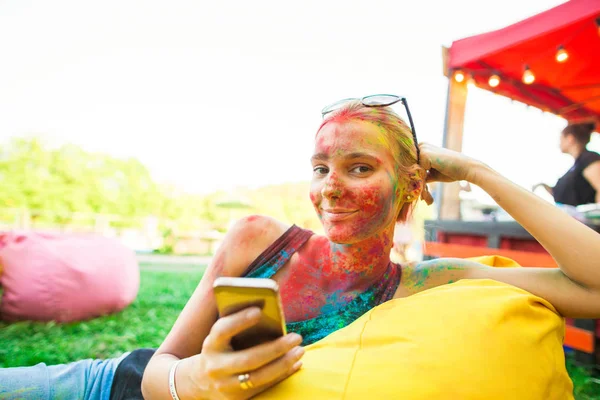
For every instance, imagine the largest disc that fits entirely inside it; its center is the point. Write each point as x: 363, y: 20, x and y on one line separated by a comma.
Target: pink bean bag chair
x: 64, y: 277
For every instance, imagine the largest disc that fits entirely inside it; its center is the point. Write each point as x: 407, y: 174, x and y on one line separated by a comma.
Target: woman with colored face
x: 365, y: 178
x: 368, y: 172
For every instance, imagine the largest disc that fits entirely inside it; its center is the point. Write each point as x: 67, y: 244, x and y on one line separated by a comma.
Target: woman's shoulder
x: 257, y: 230
x: 589, y: 157
x: 247, y: 238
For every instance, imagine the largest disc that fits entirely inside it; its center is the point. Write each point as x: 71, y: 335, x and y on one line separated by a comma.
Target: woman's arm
x: 574, y: 288
x: 242, y: 244
x: 592, y: 174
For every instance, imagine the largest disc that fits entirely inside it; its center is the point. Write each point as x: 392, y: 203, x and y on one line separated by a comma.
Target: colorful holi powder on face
x: 372, y: 196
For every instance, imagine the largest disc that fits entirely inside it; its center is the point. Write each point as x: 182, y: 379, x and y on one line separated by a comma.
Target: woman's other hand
x: 548, y: 188
x: 444, y: 165
x: 214, y: 373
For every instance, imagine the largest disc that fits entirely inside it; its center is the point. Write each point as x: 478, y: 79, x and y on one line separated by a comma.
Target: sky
x: 214, y: 95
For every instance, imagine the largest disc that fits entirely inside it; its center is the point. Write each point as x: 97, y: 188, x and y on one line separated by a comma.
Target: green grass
x: 143, y: 324
x: 586, y: 387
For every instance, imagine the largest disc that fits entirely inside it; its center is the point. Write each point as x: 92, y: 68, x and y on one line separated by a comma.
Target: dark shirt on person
x: 572, y: 188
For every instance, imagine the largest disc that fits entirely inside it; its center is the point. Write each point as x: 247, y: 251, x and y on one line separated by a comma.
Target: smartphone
x: 235, y: 294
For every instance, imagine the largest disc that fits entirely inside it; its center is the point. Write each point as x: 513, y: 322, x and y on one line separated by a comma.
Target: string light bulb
x: 494, y: 80
x: 528, y: 76
x: 471, y: 82
x: 598, y: 25
x: 561, y: 54
x: 459, y: 76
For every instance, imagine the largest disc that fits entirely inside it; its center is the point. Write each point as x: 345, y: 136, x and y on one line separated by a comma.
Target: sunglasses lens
x: 335, y: 106
x: 380, y: 100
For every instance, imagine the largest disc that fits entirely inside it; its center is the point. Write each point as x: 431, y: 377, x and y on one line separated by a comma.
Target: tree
x: 68, y: 179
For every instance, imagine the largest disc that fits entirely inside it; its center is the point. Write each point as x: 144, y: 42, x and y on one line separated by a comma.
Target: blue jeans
x: 80, y: 380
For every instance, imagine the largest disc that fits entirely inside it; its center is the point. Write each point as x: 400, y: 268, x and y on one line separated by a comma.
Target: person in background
x: 581, y: 183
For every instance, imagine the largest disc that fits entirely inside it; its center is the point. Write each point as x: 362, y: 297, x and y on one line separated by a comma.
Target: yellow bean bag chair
x: 473, y: 339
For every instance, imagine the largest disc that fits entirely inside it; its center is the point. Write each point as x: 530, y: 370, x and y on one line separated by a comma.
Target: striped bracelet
x: 172, y: 380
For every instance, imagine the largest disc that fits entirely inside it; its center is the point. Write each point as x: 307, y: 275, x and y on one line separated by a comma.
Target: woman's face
x: 355, y: 187
x: 564, y: 143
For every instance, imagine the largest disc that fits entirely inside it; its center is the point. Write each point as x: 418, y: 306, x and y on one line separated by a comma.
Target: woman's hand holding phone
x: 218, y: 372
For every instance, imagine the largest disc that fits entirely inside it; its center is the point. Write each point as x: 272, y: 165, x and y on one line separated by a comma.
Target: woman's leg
x: 80, y: 380
x: 25, y: 383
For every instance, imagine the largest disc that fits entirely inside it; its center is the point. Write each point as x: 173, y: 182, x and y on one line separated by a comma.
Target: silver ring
x: 245, y: 382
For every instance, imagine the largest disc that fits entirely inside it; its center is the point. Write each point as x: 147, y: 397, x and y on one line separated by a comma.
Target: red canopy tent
x: 570, y: 89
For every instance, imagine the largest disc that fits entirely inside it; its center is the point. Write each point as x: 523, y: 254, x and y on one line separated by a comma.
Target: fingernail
x: 294, y: 338
x: 253, y: 313
x: 298, y: 351
x: 297, y: 365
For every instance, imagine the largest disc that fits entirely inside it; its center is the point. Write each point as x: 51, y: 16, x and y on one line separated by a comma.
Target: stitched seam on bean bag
x: 360, y: 345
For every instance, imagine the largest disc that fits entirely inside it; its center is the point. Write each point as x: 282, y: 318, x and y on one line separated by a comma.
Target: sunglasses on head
x: 377, y: 100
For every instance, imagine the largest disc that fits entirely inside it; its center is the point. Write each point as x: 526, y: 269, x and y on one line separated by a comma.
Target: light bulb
x: 598, y: 25
x: 459, y: 76
x: 494, y: 80
x: 471, y: 82
x: 528, y: 76
x: 561, y: 54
